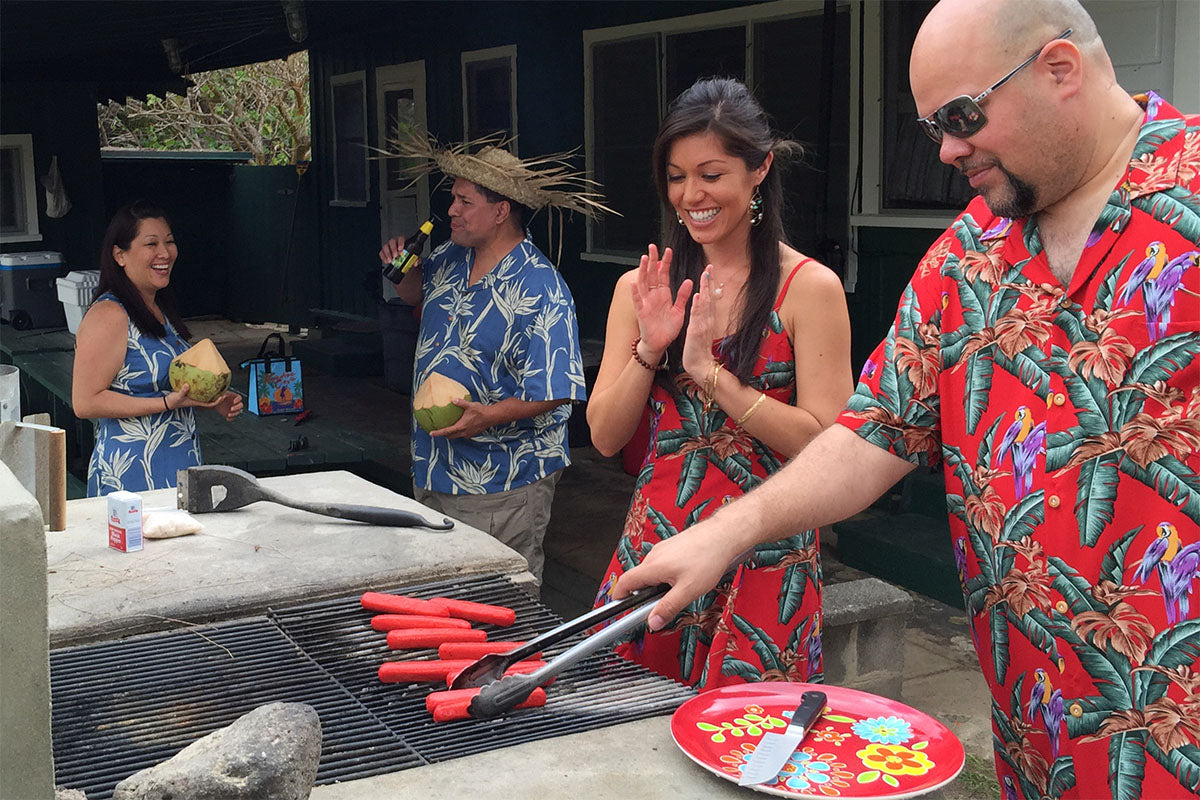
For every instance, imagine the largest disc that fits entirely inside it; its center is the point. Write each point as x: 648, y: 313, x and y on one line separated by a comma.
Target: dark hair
x: 122, y: 229
x: 519, y: 213
x: 726, y: 107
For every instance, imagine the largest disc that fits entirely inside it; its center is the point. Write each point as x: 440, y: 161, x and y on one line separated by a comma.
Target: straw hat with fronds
x: 537, y: 182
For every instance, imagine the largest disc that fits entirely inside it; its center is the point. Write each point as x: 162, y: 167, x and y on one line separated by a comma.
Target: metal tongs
x: 501, y: 694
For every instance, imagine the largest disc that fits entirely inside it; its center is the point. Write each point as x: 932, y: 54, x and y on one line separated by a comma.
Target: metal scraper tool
x: 220, y: 488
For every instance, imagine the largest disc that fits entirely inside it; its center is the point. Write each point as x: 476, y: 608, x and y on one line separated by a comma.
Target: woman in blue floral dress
x: 145, y: 432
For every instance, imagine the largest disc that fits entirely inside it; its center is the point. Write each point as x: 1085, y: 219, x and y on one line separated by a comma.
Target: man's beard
x: 1021, y: 203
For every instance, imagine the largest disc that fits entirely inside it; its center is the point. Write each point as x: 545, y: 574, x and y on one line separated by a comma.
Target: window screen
x: 350, y: 139
x: 913, y: 176
x: 625, y: 118
x: 489, y: 98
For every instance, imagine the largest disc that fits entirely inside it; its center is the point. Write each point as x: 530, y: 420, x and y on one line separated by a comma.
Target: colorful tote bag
x: 276, y: 385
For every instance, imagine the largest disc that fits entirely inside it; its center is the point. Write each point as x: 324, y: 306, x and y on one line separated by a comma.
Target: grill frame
x: 116, y: 705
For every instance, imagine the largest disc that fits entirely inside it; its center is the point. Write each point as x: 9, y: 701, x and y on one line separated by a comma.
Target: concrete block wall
x: 862, y: 637
x: 26, y: 755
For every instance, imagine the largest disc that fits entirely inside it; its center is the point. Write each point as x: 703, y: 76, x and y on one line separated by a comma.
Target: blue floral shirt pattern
x: 513, y: 333
x: 136, y: 454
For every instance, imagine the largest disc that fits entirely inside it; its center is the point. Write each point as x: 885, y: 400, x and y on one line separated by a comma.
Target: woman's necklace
x: 718, y: 287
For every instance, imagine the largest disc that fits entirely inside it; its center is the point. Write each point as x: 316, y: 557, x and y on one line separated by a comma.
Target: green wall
x: 550, y: 91
x: 887, y: 259
x: 273, y: 223
x: 61, y: 117
x: 233, y: 223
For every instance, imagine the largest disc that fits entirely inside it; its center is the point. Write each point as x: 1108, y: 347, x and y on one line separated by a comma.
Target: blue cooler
x: 28, y: 293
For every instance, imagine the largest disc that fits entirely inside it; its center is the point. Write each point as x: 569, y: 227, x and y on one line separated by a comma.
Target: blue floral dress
x: 137, y: 454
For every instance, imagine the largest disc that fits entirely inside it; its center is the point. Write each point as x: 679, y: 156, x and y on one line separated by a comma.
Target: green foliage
x: 261, y: 109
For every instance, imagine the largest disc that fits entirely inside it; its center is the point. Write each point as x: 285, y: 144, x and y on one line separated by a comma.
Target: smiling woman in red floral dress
x: 759, y: 366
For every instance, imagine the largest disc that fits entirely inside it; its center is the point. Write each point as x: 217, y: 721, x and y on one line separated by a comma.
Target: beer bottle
x: 410, y: 256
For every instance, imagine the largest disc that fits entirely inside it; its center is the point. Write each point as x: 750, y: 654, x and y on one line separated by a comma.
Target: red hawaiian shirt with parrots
x: 1067, y: 422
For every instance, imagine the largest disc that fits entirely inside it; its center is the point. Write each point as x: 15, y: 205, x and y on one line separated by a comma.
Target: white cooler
x: 75, y: 291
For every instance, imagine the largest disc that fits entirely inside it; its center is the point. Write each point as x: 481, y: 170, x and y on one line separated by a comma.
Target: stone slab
x: 863, y: 599
x: 26, y: 761
x: 246, y: 560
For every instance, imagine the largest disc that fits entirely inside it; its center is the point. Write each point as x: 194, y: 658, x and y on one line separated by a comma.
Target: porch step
x: 924, y: 493
x: 911, y: 550
x: 862, y: 635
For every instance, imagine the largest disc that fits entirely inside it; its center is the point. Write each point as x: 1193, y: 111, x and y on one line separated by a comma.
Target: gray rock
x: 269, y: 754
x: 68, y: 794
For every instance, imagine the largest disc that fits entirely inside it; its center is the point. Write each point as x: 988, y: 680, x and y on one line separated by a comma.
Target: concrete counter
x: 246, y: 560
x: 630, y: 761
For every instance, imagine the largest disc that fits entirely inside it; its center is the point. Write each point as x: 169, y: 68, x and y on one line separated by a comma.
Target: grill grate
x: 122, y: 706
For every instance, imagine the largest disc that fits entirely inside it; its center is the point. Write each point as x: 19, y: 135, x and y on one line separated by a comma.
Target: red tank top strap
x: 788, y: 282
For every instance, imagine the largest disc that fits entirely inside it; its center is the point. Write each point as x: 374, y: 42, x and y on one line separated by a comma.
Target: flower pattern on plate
x: 808, y: 770
x: 862, y: 746
x: 884, y: 730
x: 884, y: 761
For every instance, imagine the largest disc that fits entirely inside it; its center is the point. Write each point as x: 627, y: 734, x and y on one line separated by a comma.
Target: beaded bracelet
x: 639, y: 359
x: 753, y: 407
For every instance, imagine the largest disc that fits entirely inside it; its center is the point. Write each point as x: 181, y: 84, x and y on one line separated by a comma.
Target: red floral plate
x: 865, y: 746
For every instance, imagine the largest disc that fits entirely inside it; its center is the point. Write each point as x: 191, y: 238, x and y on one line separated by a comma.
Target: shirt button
x: 1060, y: 399
x: 1054, y: 501
x: 1066, y: 302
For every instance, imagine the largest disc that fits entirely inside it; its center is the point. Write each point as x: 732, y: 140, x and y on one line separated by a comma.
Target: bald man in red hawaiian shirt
x: 1045, y: 354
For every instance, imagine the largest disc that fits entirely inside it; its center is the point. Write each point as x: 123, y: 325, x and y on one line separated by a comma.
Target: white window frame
x: 727, y: 18
x: 866, y: 209
x: 23, y: 143
x: 347, y: 78
x: 508, y: 51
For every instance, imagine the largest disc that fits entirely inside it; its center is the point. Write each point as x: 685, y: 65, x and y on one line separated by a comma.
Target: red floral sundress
x: 765, y: 623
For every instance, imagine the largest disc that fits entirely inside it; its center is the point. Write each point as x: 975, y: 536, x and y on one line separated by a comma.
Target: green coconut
x: 433, y: 404
x: 202, y: 369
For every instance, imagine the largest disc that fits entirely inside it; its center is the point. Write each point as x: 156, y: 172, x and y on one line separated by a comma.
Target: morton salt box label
x: 125, y: 521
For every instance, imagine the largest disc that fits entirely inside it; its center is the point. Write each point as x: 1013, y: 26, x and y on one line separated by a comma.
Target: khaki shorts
x: 517, y: 517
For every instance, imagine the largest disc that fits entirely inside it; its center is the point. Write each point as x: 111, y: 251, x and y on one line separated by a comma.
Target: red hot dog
x: 394, y: 622
x: 432, y: 637
x: 416, y: 671
x: 400, y: 604
x: 477, y: 649
x: 476, y: 612
x: 448, y: 709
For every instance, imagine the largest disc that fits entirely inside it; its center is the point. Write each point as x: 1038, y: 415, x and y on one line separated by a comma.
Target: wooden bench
x: 38, y: 340
x: 258, y: 445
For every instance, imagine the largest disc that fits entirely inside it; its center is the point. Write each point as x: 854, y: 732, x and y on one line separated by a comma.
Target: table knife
x: 774, y: 749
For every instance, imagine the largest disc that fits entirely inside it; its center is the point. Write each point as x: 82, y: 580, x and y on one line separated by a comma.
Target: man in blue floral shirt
x: 497, y: 317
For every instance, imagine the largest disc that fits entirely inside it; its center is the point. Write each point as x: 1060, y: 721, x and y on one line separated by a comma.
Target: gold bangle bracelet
x: 753, y: 407
x: 712, y: 390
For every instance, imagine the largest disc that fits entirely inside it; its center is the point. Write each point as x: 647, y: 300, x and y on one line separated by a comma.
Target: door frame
x: 387, y: 77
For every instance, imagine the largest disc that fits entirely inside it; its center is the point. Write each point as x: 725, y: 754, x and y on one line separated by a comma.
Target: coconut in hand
x: 202, y: 369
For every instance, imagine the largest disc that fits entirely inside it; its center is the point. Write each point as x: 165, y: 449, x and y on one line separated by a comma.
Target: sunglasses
x: 962, y: 117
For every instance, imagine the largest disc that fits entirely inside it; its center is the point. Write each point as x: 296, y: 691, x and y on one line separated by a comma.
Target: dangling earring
x: 678, y: 218
x: 756, y: 207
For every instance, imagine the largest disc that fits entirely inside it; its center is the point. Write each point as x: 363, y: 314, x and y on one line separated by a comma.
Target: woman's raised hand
x: 659, y: 315
x: 698, y: 344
